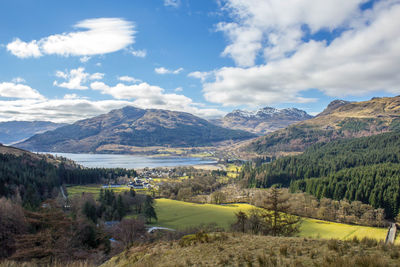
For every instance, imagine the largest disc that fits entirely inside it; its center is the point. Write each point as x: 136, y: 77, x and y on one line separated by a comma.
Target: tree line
x: 33, y: 180
x: 361, y: 169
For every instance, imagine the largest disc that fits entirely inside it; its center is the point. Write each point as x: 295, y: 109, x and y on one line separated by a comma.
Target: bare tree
x: 129, y: 231
x: 12, y: 223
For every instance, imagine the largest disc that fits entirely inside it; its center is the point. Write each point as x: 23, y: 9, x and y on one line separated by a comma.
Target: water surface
x: 131, y: 161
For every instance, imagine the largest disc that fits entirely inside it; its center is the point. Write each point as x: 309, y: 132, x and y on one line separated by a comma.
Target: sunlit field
x: 180, y: 215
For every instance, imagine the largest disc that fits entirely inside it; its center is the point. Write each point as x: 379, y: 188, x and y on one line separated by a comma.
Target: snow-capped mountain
x: 262, y: 121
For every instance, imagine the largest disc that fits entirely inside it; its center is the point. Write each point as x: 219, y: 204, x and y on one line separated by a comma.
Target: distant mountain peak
x: 333, y: 105
x: 269, y: 112
x: 340, y: 119
x: 263, y: 120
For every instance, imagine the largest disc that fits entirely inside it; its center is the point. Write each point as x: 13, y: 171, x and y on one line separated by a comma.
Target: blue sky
x: 68, y: 60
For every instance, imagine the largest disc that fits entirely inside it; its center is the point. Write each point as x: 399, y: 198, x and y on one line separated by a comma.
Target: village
x: 146, y: 178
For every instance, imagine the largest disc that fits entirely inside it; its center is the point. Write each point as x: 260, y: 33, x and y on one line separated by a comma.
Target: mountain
x: 16, y: 131
x: 262, y: 121
x: 132, y: 126
x: 341, y: 119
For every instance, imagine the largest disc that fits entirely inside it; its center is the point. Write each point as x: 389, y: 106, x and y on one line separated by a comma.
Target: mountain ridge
x: 16, y: 131
x: 132, y: 126
x: 262, y: 121
x: 341, y: 119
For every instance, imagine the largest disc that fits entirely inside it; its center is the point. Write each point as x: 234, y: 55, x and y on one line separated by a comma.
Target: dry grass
x: 55, y: 264
x: 247, y: 250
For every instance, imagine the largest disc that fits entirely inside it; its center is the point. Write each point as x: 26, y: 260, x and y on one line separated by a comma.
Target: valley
x: 334, y: 176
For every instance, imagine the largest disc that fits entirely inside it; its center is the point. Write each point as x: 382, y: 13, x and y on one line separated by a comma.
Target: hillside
x: 341, y: 119
x: 365, y: 169
x: 227, y: 249
x: 17, y: 131
x: 131, y: 126
x: 33, y: 177
x: 262, y: 121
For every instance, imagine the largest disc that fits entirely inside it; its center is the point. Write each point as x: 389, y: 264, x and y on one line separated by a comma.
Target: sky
x: 67, y: 60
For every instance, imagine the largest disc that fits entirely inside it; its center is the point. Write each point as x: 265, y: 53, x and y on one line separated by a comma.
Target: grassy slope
x: 377, y: 115
x: 247, y: 250
x: 178, y: 215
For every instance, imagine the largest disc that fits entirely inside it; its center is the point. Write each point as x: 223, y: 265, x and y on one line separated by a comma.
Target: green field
x: 179, y: 215
x: 93, y: 189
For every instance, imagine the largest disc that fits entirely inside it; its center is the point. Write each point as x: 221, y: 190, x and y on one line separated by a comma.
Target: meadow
x: 94, y: 189
x: 180, y: 215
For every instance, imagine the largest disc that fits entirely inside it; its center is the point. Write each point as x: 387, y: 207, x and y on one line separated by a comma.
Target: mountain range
x: 262, y: 121
x: 341, y: 119
x: 134, y: 127
x: 17, y: 131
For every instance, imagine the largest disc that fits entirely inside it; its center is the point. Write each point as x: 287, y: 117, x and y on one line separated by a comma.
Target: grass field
x: 179, y: 215
x: 93, y: 189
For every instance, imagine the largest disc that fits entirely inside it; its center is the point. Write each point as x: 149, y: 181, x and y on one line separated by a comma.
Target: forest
x: 33, y: 180
x: 365, y: 169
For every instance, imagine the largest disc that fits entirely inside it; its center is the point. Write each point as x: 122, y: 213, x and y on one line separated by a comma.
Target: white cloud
x: 364, y: 59
x: 76, y: 78
x: 84, y: 59
x: 24, y: 50
x: 15, y: 90
x: 200, y: 75
x: 71, y: 96
x: 73, y: 108
x: 145, y: 95
x: 275, y: 27
x: 65, y: 110
x: 173, y: 3
x: 138, y: 53
x: 103, y: 35
x: 129, y: 79
x: 163, y: 70
x: 96, y: 76
x: 18, y: 80
x: 178, y: 89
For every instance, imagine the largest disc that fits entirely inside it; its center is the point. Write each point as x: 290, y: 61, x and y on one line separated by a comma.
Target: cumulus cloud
x: 178, y: 89
x: 73, y: 108
x: 276, y: 27
x: 138, y: 53
x: 24, y: 50
x: 17, y: 90
x: 102, y: 36
x: 172, y: 3
x: 76, y: 78
x: 163, y: 70
x: 201, y: 75
x: 145, y: 95
x: 129, y: 79
x: 363, y: 59
x: 66, y: 110
x: 84, y: 59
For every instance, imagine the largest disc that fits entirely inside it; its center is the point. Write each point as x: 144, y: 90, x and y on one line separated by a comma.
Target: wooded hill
x: 341, y: 119
x: 33, y: 177
x: 365, y: 169
x: 132, y: 126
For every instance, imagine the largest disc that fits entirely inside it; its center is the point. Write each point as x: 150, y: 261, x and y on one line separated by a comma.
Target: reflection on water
x: 130, y: 161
